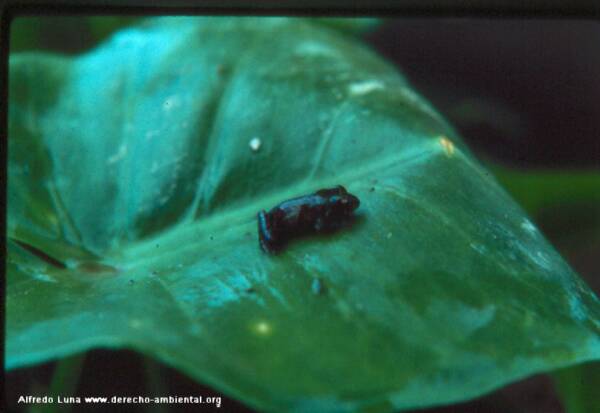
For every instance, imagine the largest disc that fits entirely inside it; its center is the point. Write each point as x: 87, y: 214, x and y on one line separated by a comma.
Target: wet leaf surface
x: 136, y: 167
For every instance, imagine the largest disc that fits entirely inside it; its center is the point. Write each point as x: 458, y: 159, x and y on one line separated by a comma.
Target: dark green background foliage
x: 130, y: 166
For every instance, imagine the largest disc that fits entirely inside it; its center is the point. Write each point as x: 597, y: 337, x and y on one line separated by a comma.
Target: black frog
x: 323, y: 211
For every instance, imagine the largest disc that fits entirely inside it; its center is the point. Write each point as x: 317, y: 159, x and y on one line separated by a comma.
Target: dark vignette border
x: 9, y: 9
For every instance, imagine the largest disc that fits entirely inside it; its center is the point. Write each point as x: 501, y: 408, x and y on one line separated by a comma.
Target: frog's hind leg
x: 265, y: 235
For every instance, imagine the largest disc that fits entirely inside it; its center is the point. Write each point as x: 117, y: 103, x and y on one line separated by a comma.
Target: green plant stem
x: 578, y: 387
x: 64, y: 383
x: 155, y: 384
x: 536, y: 189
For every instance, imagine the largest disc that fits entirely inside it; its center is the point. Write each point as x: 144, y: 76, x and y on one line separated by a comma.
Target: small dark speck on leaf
x: 318, y: 287
x: 157, y: 245
x: 211, y: 237
x: 250, y: 290
x: 131, y: 281
x: 372, y: 189
x: 154, y: 273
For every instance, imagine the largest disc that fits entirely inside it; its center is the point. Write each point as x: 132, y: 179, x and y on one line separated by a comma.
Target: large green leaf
x: 133, y: 193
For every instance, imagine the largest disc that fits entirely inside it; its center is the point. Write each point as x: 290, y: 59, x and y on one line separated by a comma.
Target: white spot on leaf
x: 367, y: 86
x: 121, y: 153
x: 478, y: 247
x: 262, y: 328
x: 315, y: 49
x: 528, y: 226
x: 43, y: 277
x: 446, y: 145
x: 255, y: 144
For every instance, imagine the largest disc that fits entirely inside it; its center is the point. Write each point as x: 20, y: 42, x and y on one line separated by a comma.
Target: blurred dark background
x: 523, y: 93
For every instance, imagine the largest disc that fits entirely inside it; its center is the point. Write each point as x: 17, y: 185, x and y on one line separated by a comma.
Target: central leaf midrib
x: 188, y: 235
